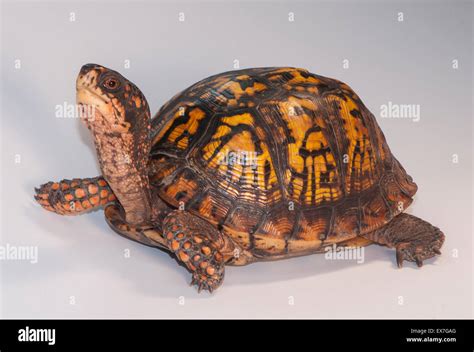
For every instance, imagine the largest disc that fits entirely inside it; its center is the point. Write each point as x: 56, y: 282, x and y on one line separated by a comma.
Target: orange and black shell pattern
x: 283, y: 161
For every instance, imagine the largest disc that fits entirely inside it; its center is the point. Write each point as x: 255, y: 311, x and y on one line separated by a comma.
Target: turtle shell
x: 283, y: 161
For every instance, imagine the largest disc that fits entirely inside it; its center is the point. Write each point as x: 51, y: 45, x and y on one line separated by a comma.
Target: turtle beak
x: 89, y: 67
x: 88, y: 96
x: 88, y: 76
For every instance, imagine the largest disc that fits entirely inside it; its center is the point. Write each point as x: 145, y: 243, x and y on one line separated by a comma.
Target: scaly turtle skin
x: 249, y: 165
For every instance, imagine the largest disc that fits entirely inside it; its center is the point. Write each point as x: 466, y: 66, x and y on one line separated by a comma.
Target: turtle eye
x: 111, y: 83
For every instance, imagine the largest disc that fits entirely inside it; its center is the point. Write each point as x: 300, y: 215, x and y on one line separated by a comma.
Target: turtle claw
x: 399, y: 258
x: 193, y: 282
x: 420, y: 249
x: 208, y: 284
x: 200, y: 287
x: 47, y: 196
x: 197, y: 282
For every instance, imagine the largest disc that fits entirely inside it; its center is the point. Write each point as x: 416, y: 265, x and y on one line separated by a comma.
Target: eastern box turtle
x: 244, y: 166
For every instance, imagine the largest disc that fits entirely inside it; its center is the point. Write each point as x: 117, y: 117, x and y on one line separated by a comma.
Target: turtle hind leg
x: 74, y: 197
x: 197, y: 244
x: 414, y: 239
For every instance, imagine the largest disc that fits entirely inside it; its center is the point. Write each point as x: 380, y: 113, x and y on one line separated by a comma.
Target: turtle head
x: 117, y: 114
x: 116, y: 102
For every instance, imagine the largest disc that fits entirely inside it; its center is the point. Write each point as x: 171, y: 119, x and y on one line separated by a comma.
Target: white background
x: 407, y: 62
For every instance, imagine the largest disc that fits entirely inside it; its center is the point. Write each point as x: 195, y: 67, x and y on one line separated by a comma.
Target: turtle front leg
x: 76, y: 196
x: 197, y: 244
x: 413, y: 238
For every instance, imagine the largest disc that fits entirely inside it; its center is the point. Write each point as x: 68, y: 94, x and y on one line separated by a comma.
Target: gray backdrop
x: 83, y: 270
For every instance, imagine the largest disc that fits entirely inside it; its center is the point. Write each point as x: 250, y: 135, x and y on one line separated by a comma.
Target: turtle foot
x: 73, y: 197
x: 421, y: 248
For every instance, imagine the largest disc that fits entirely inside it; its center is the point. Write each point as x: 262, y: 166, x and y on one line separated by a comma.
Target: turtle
x: 249, y: 165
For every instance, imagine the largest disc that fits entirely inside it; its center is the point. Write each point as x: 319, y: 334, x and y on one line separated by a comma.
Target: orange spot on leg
x: 174, y: 245
x: 94, y: 200
x: 93, y: 189
x: 183, y: 256
x: 79, y: 193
